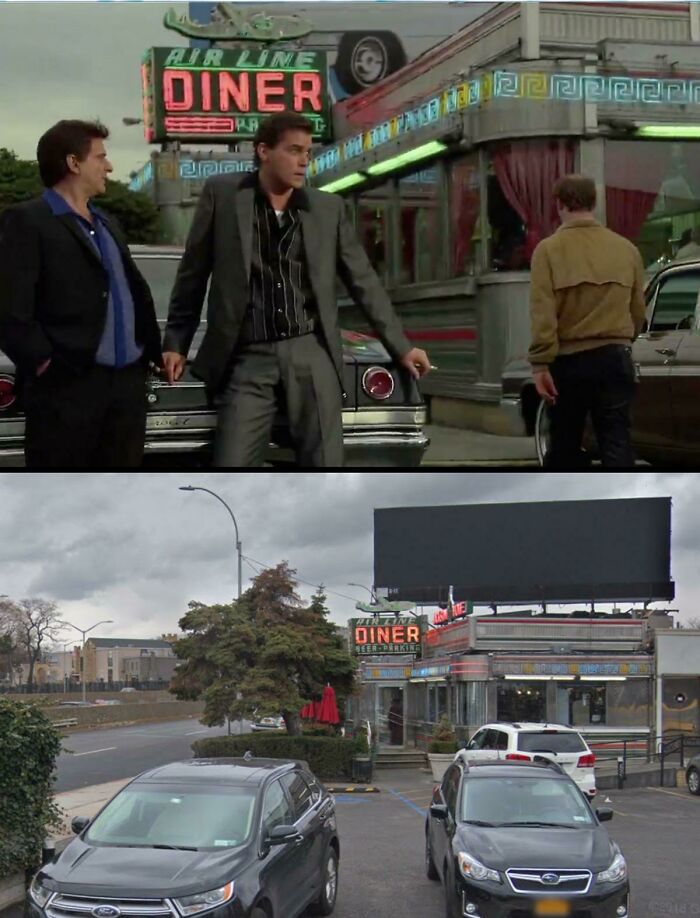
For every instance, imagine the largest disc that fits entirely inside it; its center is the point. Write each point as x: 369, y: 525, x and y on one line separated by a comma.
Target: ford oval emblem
x: 106, y: 911
x: 551, y: 879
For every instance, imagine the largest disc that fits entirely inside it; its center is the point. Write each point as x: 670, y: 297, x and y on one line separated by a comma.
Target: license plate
x: 552, y: 908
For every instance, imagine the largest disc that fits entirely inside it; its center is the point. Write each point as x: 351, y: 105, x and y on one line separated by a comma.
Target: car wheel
x: 693, y: 781
x: 259, y: 913
x: 325, y: 903
x: 541, y: 432
x: 365, y: 58
x: 449, y: 910
x: 430, y: 869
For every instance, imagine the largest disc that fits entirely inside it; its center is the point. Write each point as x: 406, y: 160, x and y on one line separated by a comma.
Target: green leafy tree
x: 267, y: 653
x: 136, y: 213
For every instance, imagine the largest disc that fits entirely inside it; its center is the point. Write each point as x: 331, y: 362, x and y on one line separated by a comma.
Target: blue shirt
x: 118, y: 347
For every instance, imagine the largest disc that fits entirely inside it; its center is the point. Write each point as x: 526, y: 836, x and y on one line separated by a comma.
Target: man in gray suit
x: 273, y: 249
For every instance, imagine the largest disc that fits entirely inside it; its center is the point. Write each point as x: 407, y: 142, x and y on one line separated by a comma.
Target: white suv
x: 524, y: 741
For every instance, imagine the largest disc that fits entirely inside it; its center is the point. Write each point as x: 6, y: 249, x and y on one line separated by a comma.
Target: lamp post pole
x: 235, y: 525
x: 84, y: 631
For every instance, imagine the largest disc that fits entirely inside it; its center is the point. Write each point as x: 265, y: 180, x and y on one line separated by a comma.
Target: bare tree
x: 692, y: 622
x: 34, y: 623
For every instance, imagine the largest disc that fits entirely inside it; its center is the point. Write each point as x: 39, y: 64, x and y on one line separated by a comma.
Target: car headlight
x: 202, y: 902
x: 616, y: 872
x: 40, y: 894
x: 475, y: 870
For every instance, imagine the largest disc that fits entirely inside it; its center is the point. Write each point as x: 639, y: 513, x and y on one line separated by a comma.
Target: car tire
x: 542, y: 438
x: 693, y: 780
x: 430, y: 868
x: 386, y: 49
x: 325, y: 903
x: 259, y: 913
x: 449, y: 911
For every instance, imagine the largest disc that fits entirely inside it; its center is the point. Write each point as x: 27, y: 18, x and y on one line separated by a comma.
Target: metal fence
x: 75, y: 688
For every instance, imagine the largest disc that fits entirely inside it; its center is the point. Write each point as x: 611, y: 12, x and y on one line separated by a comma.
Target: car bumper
x: 233, y: 909
x: 494, y: 900
x: 512, y: 416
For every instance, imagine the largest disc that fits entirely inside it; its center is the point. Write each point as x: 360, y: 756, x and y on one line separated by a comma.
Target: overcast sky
x: 135, y: 549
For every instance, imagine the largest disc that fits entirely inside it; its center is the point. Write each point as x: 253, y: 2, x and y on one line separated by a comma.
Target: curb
x: 353, y: 789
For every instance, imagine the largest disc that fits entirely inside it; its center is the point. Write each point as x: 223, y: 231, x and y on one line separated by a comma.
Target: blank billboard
x: 556, y: 551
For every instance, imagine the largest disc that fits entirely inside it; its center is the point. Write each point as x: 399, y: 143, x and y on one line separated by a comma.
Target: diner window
x: 464, y: 192
x: 522, y: 701
x: 374, y: 228
x: 656, y: 205
x: 471, y: 703
x: 521, y: 205
x: 421, y: 243
x: 587, y: 704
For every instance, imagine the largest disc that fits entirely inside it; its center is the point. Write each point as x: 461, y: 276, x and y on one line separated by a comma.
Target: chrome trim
x: 63, y: 904
x: 379, y: 398
x: 534, y: 875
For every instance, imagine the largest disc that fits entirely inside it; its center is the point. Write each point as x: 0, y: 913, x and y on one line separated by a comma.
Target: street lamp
x: 131, y: 121
x: 238, y: 541
x: 84, y: 631
x: 370, y: 591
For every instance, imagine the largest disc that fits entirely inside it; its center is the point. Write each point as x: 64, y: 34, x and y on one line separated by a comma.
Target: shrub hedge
x: 327, y: 756
x: 29, y: 746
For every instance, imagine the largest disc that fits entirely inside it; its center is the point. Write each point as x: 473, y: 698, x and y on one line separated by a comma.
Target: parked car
x: 519, y: 838
x: 666, y: 409
x: 383, y: 416
x: 521, y: 742
x: 127, y: 688
x: 233, y: 838
x: 692, y: 774
x: 268, y: 723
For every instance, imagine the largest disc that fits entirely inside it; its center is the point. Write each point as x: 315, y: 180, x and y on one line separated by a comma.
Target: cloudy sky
x: 135, y: 549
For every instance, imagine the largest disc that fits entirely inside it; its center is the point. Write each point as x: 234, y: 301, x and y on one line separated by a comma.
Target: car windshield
x: 180, y: 817
x: 550, y: 741
x: 522, y: 800
x: 159, y: 272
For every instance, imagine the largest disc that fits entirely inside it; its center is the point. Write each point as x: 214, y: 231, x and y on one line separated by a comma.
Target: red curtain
x: 465, y: 197
x: 526, y: 172
x: 634, y: 172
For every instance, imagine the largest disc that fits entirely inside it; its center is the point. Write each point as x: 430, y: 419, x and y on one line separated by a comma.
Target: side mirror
x: 604, y: 814
x: 438, y: 810
x: 79, y: 823
x: 280, y: 835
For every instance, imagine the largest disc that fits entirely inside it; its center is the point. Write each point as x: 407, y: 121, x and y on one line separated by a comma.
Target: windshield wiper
x: 480, y: 822
x: 556, y: 825
x: 173, y: 847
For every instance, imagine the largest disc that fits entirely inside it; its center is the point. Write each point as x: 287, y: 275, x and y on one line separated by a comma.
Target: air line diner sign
x: 200, y: 95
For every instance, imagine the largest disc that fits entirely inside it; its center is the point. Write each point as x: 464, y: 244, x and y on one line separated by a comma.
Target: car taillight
x: 7, y: 392
x: 518, y: 756
x: 378, y: 383
x: 586, y: 761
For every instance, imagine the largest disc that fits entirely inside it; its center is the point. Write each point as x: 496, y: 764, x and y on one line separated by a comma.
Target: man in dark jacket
x: 273, y: 250
x: 76, y: 316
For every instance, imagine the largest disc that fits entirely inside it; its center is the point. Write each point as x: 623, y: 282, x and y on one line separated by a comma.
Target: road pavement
x: 98, y: 756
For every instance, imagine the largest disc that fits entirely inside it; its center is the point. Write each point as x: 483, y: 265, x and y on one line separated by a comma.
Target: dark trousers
x: 599, y: 383
x: 296, y: 375
x: 95, y: 419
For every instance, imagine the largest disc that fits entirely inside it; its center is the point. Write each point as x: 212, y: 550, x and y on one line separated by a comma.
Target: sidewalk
x: 452, y: 446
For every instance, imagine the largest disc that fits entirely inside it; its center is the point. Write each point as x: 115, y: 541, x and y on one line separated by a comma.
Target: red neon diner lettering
x: 412, y: 633
x: 239, y: 92
x: 206, y: 91
x: 307, y: 87
x: 360, y: 635
x: 264, y: 90
x: 171, y: 78
x: 383, y: 635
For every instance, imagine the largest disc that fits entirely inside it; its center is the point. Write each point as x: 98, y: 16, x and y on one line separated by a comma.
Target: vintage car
x: 383, y: 419
x: 666, y: 409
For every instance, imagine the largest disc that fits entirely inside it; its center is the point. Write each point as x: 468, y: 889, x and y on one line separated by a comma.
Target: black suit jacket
x: 219, y: 246
x: 54, y: 291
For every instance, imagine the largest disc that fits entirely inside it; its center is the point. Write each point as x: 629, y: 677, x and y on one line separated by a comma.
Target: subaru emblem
x: 551, y: 879
x: 106, y: 911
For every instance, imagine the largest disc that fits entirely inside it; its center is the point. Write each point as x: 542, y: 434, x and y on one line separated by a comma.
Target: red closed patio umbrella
x: 308, y: 712
x: 328, y: 713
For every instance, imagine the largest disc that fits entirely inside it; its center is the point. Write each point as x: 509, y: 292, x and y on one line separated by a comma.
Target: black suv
x: 521, y: 841
x: 232, y: 838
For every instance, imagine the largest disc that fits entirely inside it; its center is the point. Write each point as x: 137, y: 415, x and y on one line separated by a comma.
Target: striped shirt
x: 281, y: 301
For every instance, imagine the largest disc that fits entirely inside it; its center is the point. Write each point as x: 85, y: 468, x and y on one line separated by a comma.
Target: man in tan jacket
x: 586, y: 308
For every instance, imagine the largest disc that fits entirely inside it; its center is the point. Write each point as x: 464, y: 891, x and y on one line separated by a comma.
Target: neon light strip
x: 506, y: 84
x: 251, y: 69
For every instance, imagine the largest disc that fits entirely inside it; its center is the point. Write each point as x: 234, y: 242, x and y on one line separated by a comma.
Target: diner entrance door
x: 392, y: 721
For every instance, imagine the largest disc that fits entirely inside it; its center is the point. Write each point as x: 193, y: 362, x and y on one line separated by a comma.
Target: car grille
x: 525, y: 880
x: 527, y: 913
x: 65, y: 906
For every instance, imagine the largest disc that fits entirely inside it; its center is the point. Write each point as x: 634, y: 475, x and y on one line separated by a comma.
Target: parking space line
x: 93, y: 751
x: 408, y: 802
x: 663, y: 790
